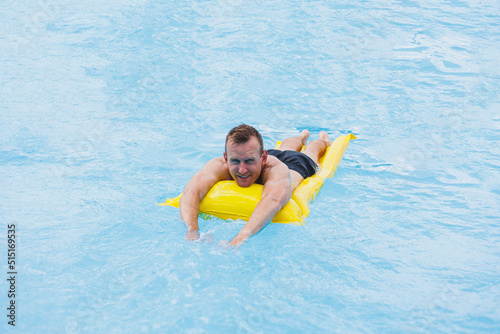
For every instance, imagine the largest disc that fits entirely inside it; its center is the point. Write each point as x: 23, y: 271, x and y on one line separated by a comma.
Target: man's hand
x: 195, y: 235
x: 226, y: 246
x: 239, y: 240
x: 192, y: 235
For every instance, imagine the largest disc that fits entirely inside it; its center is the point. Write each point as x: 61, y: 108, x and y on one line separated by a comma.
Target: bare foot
x: 304, y: 135
x: 324, y: 137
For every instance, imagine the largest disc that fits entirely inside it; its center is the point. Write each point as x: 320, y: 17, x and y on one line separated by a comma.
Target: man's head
x: 245, y: 154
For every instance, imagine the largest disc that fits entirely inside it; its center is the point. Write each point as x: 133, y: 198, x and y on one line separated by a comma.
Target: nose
x: 243, y: 168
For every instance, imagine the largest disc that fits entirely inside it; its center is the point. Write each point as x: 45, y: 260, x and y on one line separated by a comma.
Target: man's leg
x: 317, y: 148
x: 295, y: 143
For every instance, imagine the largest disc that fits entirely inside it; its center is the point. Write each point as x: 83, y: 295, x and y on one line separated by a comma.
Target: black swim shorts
x: 296, y: 161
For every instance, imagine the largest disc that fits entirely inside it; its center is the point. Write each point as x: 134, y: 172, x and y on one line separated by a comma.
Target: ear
x: 225, y: 156
x: 264, y: 157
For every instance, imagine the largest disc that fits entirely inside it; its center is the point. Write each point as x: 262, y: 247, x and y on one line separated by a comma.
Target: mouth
x: 243, y: 177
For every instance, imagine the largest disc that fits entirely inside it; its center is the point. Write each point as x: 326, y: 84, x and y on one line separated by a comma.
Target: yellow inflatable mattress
x: 227, y: 200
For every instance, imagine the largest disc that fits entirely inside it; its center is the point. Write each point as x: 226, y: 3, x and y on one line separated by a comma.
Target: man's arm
x: 277, y: 192
x: 214, y: 171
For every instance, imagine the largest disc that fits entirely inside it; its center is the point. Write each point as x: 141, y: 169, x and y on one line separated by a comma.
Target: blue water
x: 109, y: 107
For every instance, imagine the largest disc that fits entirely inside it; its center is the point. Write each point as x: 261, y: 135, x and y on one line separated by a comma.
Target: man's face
x: 244, y: 161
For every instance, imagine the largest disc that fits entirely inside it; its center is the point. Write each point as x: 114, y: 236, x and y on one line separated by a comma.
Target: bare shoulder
x: 216, y: 168
x: 277, y: 181
x: 275, y: 171
x: 214, y: 171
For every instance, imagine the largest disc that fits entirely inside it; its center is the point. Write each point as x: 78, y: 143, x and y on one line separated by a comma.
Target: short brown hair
x: 242, y: 133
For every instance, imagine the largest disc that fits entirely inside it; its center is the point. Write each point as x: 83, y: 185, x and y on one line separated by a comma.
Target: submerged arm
x: 195, y: 191
x: 277, y: 192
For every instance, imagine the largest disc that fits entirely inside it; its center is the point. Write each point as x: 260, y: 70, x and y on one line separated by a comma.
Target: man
x: 246, y: 162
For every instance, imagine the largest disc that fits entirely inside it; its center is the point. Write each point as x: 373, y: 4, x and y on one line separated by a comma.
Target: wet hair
x: 242, y: 133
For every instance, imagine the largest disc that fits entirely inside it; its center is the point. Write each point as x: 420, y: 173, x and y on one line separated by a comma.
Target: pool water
x: 108, y: 108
